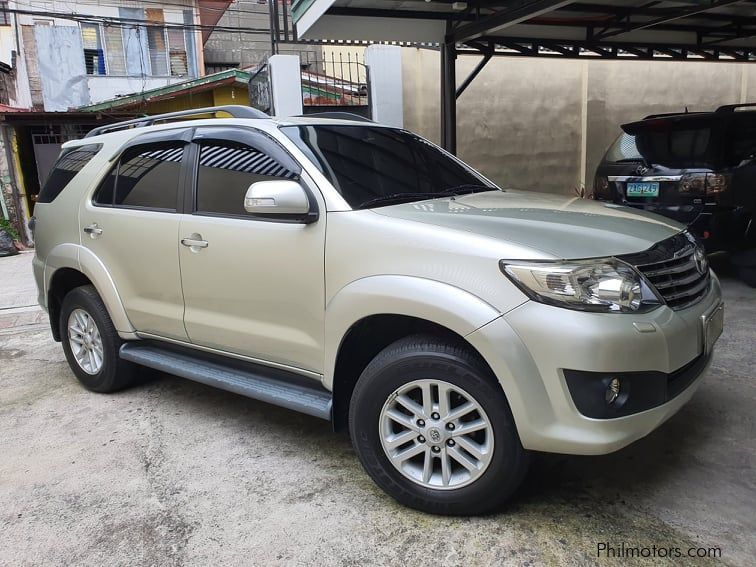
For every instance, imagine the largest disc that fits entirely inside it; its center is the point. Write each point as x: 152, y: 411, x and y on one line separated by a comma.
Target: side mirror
x: 278, y: 198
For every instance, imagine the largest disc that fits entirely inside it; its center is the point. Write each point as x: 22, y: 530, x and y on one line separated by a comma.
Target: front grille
x: 671, y: 268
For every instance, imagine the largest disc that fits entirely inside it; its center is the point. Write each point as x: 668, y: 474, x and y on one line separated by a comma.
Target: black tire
x: 425, y: 357
x: 115, y: 374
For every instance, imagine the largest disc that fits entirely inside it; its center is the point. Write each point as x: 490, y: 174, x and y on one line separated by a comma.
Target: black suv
x: 698, y: 168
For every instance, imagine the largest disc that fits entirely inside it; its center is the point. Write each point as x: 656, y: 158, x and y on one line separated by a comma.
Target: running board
x: 253, y: 381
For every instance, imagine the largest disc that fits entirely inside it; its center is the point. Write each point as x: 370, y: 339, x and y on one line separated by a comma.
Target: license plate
x: 643, y: 189
x: 713, y: 324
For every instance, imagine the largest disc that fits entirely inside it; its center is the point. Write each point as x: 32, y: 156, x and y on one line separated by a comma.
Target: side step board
x: 253, y: 381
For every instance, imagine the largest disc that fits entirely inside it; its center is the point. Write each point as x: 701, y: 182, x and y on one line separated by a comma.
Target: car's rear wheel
x: 91, y: 343
x: 434, y: 430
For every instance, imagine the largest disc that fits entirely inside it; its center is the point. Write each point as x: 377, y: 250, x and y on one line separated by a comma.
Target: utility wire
x: 264, y: 10
x: 131, y: 22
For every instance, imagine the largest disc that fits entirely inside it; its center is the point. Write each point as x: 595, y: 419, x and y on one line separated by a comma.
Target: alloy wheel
x: 436, y: 434
x: 85, y: 341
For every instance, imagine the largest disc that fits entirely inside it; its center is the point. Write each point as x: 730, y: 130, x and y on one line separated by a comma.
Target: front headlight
x: 604, y: 285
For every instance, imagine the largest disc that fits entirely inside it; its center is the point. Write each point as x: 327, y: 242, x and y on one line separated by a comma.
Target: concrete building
x: 228, y: 49
x: 79, y: 53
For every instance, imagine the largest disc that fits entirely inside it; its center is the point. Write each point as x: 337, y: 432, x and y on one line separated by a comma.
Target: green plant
x: 8, y: 227
x: 581, y: 192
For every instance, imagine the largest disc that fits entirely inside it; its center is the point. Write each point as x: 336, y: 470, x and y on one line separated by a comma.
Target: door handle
x: 194, y: 241
x: 93, y: 230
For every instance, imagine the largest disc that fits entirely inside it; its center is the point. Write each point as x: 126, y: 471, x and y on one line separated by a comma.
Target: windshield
x: 373, y: 166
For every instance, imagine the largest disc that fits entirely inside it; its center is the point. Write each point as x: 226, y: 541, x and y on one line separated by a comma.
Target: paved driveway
x: 176, y: 473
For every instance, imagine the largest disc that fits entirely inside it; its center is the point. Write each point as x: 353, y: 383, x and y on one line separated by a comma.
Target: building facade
x: 73, y: 54
x: 251, y: 45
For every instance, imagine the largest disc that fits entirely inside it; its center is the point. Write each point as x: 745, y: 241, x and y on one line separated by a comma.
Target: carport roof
x: 722, y: 30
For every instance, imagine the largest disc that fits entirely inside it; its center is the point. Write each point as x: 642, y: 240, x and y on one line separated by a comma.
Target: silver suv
x: 358, y: 273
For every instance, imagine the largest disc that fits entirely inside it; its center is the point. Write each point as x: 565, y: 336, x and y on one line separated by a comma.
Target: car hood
x: 559, y: 226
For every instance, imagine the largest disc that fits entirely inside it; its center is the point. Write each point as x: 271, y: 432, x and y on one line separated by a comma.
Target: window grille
x: 94, y: 57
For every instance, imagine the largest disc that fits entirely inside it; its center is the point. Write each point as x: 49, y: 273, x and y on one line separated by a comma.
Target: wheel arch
x: 67, y: 269
x: 369, y: 314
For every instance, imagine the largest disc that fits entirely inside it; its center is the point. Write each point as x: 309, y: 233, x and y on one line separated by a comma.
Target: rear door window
x: 146, y: 177
x: 69, y: 164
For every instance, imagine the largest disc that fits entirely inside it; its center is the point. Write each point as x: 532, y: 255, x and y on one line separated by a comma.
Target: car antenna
x: 686, y: 110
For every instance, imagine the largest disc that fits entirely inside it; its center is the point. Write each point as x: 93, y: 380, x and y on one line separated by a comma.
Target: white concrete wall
x: 286, y: 85
x: 7, y: 43
x: 385, y: 65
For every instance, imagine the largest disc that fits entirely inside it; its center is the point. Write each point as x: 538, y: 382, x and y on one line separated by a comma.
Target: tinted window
x: 742, y: 138
x: 226, y: 170
x: 677, y: 147
x: 623, y: 149
x: 368, y: 162
x: 104, y: 194
x: 70, y: 162
x: 148, y: 177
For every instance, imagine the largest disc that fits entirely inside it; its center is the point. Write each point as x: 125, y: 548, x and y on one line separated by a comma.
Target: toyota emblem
x: 435, y: 435
x: 641, y: 170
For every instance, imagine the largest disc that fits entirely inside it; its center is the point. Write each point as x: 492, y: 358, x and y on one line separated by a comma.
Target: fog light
x: 612, y: 391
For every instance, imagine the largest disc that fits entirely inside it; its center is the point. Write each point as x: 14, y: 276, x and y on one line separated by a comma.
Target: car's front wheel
x: 434, y: 430
x: 91, y: 342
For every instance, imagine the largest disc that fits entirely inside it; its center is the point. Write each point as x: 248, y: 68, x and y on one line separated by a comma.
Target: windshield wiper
x: 396, y: 198
x: 466, y: 189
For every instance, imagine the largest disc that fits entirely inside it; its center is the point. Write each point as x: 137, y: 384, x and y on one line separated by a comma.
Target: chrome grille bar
x: 671, y: 268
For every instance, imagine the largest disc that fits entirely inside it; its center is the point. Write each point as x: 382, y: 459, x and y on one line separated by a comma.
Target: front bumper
x: 530, y: 347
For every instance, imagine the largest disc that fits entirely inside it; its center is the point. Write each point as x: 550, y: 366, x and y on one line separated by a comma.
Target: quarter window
x: 104, y: 195
x: 146, y: 176
x: 70, y: 162
x: 225, y: 172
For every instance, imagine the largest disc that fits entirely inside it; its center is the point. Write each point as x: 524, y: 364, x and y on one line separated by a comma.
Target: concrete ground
x: 176, y: 473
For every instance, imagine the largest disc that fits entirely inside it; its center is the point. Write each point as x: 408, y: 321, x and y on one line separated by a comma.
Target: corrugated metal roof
x: 207, y: 82
x: 665, y: 29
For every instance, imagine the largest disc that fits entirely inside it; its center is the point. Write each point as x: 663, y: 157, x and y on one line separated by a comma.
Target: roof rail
x: 733, y: 107
x: 337, y: 116
x: 235, y: 110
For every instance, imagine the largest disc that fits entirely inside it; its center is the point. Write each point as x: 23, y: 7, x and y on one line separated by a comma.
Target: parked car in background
x: 698, y: 168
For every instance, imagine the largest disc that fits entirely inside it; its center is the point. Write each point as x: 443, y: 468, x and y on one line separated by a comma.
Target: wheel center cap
x: 435, y: 435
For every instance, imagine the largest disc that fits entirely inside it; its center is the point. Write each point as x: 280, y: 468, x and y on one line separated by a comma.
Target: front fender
x: 440, y: 303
